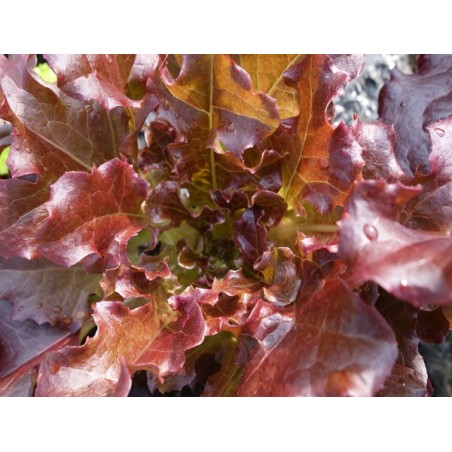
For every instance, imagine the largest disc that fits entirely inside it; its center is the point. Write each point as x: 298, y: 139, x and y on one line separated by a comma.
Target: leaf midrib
x: 305, y: 136
x: 291, y: 63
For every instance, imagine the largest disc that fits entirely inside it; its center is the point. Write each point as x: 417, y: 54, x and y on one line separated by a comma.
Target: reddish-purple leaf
x: 215, y: 366
x: 21, y: 212
x: 65, y: 132
x: 331, y: 344
x: 112, y: 80
x: 403, y: 382
x: 167, y: 205
x: 227, y: 308
x: 95, y: 367
x: 322, y: 161
x: 235, y: 282
x: 124, y: 383
x: 432, y: 208
x: 92, y: 216
x: 377, y: 143
x: 271, y: 203
x: 410, y: 373
x: 412, y: 102
x: 225, y: 227
x: 143, y: 68
x: 45, y: 292
x: 19, y: 383
x: 208, y: 116
x: 280, y: 272
x: 5, y: 133
x: 141, y: 338
x: 213, y: 116
x: 265, y: 174
x: 22, y: 344
x: 207, y: 300
x: 213, y: 94
x: 250, y: 235
x: 413, y: 265
x: 155, y: 158
x: 185, y: 331
x: 352, y: 65
x: 307, y: 245
x: 52, y: 133
x: 131, y: 281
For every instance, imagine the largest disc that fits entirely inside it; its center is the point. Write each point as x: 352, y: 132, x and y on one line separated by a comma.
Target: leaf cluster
x: 199, y: 220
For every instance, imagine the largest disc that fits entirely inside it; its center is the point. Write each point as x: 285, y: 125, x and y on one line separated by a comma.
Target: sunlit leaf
x: 331, y: 344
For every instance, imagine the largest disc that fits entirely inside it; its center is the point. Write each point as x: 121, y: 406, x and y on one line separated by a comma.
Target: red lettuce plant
x: 197, y: 223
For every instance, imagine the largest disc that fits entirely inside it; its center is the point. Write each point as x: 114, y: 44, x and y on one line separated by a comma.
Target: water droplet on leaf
x: 57, y: 309
x: 285, y: 127
x: 324, y: 164
x: 402, y: 104
x: 439, y: 132
x: 370, y: 232
x: 184, y: 196
x: 404, y: 282
x: 20, y: 308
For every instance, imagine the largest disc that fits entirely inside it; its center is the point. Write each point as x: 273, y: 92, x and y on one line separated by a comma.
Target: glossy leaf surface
x: 409, y: 376
x: 213, y: 94
x: 45, y: 292
x: 412, y: 265
x: 134, y: 339
x: 411, y: 103
x: 322, y: 161
x: 113, y: 80
x: 244, y: 243
x: 24, y: 343
x: 336, y: 347
x: 92, y: 216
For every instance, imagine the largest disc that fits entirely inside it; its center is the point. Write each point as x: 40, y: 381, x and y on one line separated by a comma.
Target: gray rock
x: 361, y: 95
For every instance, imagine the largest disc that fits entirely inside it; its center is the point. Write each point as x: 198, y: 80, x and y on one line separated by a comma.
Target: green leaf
x: 4, y: 170
x: 46, y: 73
